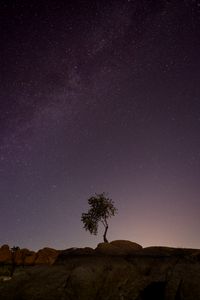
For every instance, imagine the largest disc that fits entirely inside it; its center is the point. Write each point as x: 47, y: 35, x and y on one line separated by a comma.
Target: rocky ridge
x: 120, y: 270
x: 25, y: 257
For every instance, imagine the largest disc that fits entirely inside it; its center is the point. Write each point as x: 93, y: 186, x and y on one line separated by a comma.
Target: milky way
x: 99, y: 96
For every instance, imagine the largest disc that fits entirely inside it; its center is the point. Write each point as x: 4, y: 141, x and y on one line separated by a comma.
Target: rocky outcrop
x: 5, y: 255
x: 25, y: 257
x: 30, y: 258
x: 74, y: 252
x: 46, y: 256
x: 161, y: 273
x: 118, y: 247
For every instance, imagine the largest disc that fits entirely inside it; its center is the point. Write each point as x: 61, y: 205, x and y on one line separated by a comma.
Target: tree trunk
x: 104, y: 236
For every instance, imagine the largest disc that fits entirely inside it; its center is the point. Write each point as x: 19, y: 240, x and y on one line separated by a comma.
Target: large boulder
x: 107, y: 249
x: 46, y: 256
x: 196, y: 255
x: 126, y: 245
x: 158, y: 251
x: 118, y: 247
x: 30, y: 258
x: 169, y: 251
x: 78, y: 251
x: 24, y: 257
x: 5, y: 255
x: 71, y: 252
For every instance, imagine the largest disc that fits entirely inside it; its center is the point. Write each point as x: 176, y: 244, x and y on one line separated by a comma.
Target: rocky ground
x: 120, y: 270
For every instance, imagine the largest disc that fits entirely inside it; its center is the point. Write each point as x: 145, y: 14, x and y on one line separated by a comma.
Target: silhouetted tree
x: 14, y: 250
x: 101, y: 208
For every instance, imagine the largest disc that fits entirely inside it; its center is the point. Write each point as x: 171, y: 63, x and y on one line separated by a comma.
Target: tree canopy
x: 101, y: 209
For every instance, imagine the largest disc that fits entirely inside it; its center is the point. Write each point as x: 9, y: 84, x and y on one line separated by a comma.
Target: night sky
x: 99, y: 96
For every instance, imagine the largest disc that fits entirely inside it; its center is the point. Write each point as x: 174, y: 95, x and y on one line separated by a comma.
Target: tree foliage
x: 101, y: 208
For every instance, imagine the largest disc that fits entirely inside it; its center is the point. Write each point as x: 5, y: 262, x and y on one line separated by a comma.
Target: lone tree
x: 101, y: 209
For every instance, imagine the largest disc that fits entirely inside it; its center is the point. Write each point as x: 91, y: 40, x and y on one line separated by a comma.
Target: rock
x: 195, y: 256
x: 5, y: 255
x: 46, y: 256
x: 108, y: 277
x: 118, y: 247
x: 30, y: 258
x: 5, y: 278
x: 78, y: 251
x: 83, y: 283
x: 158, y: 251
x: 24, y: 257
x: 63, y: 255
x: 126, y: 245
x: 169, y: 251
x: 108, y: 249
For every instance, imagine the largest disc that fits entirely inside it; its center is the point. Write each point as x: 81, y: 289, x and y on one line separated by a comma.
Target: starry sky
x: 99, y: 96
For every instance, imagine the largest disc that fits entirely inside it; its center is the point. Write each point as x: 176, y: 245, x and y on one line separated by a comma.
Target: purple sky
x: 99, y: 96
